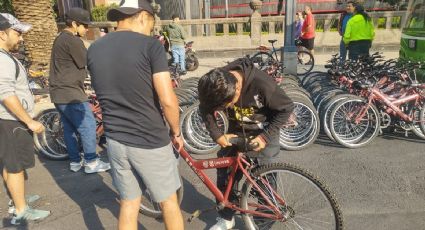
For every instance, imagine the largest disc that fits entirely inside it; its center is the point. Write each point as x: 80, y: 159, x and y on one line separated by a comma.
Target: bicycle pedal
x: 194, y: 215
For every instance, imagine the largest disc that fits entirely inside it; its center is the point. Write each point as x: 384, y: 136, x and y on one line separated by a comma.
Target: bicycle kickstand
x: 198, y: 212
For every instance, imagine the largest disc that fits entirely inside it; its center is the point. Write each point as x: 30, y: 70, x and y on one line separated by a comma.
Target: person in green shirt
x: 359, y: 33
x: 177, y: 35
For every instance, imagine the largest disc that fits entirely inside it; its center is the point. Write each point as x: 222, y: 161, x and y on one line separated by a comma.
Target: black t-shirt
x: 122, y: 65
x: 67, y: 69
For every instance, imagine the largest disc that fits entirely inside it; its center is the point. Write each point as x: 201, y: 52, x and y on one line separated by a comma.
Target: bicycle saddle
x: 273, y: 41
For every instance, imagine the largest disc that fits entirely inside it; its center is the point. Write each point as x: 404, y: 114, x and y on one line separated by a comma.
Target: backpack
x: 17, y: 70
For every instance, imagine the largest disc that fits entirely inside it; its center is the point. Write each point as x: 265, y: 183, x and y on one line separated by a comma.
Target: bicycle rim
x: 346, y: 130
x: 307, y: 204
x: 305, y: 62
x: 53, y: 144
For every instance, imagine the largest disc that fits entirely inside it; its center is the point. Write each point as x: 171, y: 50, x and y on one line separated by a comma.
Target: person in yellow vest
x: 359, y: 33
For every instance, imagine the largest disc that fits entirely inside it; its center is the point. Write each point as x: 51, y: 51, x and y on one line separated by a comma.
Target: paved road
x: 381, y: 186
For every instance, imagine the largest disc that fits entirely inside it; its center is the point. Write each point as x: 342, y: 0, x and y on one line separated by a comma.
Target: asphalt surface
x: 380, y: 186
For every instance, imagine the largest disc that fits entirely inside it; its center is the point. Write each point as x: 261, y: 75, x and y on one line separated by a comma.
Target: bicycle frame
x: 237, y: 163
x: 393, y: 104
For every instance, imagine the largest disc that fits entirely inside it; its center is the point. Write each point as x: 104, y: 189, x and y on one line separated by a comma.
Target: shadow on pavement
x: 203, y: 203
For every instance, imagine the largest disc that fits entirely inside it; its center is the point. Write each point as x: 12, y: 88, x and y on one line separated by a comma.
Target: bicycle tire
x: 198, y: 143
x: 152, y: 209
x: 355, y: 141
x: 261, y: 59
x: 302, y: 63
x: 311, y: 75
x: 422, y: 119
x: 50, y: 146
x: 333, y: 216
x: 306, y: 132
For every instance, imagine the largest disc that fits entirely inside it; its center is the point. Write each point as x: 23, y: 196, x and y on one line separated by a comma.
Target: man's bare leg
x: 129, y: 211
x: 173, y: 218
x: 16, y: 185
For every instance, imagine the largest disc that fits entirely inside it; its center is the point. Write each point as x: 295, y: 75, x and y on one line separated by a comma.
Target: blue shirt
x: 344, y: 22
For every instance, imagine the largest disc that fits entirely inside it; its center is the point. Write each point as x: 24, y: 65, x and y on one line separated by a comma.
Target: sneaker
x: 96, y: 166
x: 75, y: 166
x: 223, y: 224
x: 29, y: 214
x: 29, y: 199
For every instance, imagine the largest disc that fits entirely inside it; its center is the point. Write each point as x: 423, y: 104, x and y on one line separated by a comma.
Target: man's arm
x: 78, y: 52
x: 168, y: 100
x: 282, y: 107
x: 13, y: 104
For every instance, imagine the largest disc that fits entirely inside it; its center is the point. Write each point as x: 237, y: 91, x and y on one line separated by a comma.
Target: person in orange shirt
x: 308, y: 30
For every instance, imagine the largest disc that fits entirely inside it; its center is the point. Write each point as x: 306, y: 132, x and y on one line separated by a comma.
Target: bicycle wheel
x: 52, y: 145
x: 305, y: 62
x: 351, y: 130
x: 422, y: 119
x: 262, y: 59
x: 150, y: 208
x: 196, y: 138
x: 305, y: 201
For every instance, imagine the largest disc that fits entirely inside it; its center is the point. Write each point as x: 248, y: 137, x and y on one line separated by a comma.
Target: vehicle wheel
x: 422, y: 119
x: 300, y: 196
x: 196, y: 138
x: 52, y: 144
x: 262, y: 59
x: 305, y: 62
x: 192, y: 63
x: 150, y: 208
x: 350, y: 130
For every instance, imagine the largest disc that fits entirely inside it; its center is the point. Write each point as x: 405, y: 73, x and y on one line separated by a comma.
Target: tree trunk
x: 39, y: 40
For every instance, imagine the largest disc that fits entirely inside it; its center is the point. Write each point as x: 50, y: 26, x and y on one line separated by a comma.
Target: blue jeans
x: 78, y: 124
x: 179, y: 56
x: 342, y: 51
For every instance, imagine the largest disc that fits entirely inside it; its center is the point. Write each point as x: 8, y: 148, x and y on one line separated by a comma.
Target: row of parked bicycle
x: 351, y: 103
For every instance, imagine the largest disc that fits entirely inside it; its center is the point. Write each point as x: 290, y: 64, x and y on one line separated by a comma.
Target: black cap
x: 79, y: 15
x: 129, y: 8
x: 4, y: 23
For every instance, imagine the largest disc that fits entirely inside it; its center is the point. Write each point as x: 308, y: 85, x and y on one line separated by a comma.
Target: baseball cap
x: 79, y: 15
x: 9, y: 21
x: 129, y: 8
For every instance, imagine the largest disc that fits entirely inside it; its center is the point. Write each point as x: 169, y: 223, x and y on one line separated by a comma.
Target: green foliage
x: 6, y: 6
x: 98, y: 13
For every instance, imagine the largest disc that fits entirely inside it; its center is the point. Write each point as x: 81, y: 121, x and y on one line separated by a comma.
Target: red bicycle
x: 356, y: 121
x: 271, y: 196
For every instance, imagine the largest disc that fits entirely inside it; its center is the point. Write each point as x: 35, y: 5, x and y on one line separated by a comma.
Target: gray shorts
x: 136, y: 169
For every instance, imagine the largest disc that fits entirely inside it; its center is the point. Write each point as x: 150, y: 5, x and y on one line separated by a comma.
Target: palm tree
x: 39, y: 39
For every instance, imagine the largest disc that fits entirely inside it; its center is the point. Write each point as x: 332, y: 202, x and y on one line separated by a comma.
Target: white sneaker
x: 96, y: 166
x: 223, y: 224
x: 28, y: 198
x: 75, y: 166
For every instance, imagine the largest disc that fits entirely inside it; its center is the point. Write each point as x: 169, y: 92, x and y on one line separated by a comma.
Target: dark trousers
x: 267, y: 155
x: 359, y: 48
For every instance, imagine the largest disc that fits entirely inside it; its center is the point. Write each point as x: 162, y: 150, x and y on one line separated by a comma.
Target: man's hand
x: 260, y: 142
x: 223, y: 141
x: 177, y: 142
x: 36, y: 126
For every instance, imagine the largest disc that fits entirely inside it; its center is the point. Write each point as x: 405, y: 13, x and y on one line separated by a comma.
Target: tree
x: 6, y: 6
x: 39, y: 40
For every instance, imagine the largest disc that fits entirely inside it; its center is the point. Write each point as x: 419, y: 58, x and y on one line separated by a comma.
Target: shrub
x: 98, y: 13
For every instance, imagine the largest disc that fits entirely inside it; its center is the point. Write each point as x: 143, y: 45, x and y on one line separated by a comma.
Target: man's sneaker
x: 223, y: 224
x: 75, y: 166
x: 29, y: 199
x: 29, y: 214
x: 96, y: 166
